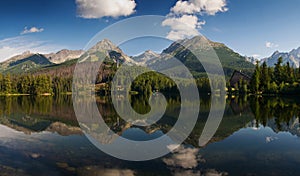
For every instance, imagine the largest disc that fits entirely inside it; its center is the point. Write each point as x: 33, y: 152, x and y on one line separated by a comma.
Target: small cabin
x: 237, y: 76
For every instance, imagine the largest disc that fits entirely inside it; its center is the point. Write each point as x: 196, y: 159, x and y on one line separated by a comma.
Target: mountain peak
x: 64, y: 55
x: 150, y: 52
x: 106, y: 42
x: 107, y: 49
x: 146, y: 56
x: 292, y: 57
x: 104, y: 46
x: 199, y: 38
x: 26, y: 53
x: 295, y: 51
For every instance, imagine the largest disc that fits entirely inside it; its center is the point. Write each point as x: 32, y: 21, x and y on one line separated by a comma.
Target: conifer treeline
x: 34, y: 84
x: 281, y: 79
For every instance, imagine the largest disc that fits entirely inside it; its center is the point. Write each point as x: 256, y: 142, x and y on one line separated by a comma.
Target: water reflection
x: 257, y: 136
x: 281, y: 114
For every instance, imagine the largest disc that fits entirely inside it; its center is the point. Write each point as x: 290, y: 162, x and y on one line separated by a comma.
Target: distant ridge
x: 292, y: 57
x: 64, y: 55
x: 28, y: 61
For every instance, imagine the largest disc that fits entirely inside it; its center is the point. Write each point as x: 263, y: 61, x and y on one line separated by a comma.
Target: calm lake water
x: 257, y: 136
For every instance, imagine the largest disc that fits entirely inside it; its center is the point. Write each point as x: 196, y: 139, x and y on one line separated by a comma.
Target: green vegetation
x: 33, y: 85
x: 155, y: 82
x: 151, y: 81
x: 28, y: 64
x: 283, y: 110
x: 232, y: 61
x: 281, y: 79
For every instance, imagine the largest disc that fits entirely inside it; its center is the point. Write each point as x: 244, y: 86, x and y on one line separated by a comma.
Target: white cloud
x: 185, y: 7
x: 210, y: 7
x: 32, y: 30
x: 183, y: 157
x: 271, y: 45
x: 105, y: 8
x: 17, y: 45
x: 183, y: 27
x: 185, y: 13
x: 270, y: 139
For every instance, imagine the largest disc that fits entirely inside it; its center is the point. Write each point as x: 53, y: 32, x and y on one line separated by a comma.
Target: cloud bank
x: 183, y: 18
x: 31, y: 30
x: 93, y: 9
x: 183, y: 157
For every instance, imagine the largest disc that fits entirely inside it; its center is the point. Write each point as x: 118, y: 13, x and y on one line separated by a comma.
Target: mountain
x: 28, y: 61
x: 6, y: 63
x: 64, y: 55
x: 229, y: 59
x: 147, y: 56
x: 253, y: 60
x: 106, y: 49
x: 104, y: 46
x: 292, y: 126
x: 35, y: 58
x: 293, y: 57
x: 19, y: 64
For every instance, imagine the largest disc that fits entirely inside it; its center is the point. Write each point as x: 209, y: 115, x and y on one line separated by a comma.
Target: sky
x: 250, y: 27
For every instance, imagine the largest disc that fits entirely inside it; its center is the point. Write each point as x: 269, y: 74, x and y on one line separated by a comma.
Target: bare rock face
x: 64, y: 55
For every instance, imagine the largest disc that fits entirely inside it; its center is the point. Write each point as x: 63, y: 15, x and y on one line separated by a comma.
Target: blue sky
x: 250, y: 27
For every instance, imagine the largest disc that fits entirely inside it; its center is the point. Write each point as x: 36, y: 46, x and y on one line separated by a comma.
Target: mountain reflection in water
x: 257, y: 136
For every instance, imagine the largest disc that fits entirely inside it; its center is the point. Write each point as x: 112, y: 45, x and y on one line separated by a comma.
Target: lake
x: 257, y: 136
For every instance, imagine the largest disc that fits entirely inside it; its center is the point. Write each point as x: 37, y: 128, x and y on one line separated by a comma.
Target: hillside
x: 4, y: 65
x: 229, y: 59
x: 27, y: 64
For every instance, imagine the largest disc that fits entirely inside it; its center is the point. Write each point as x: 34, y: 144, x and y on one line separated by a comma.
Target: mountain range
x: 293, y: 57
x: 146, y: 57
x: 27, y: 61
x: 64, y: 55
x: 65, y: 60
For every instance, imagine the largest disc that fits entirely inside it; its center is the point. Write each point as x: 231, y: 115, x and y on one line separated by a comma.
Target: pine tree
x: 7, y: 85
x: 265, y: 77
x: 255, y: 81
x: 278, y: 72
x: 1, y: 83
x: 288, y: 74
